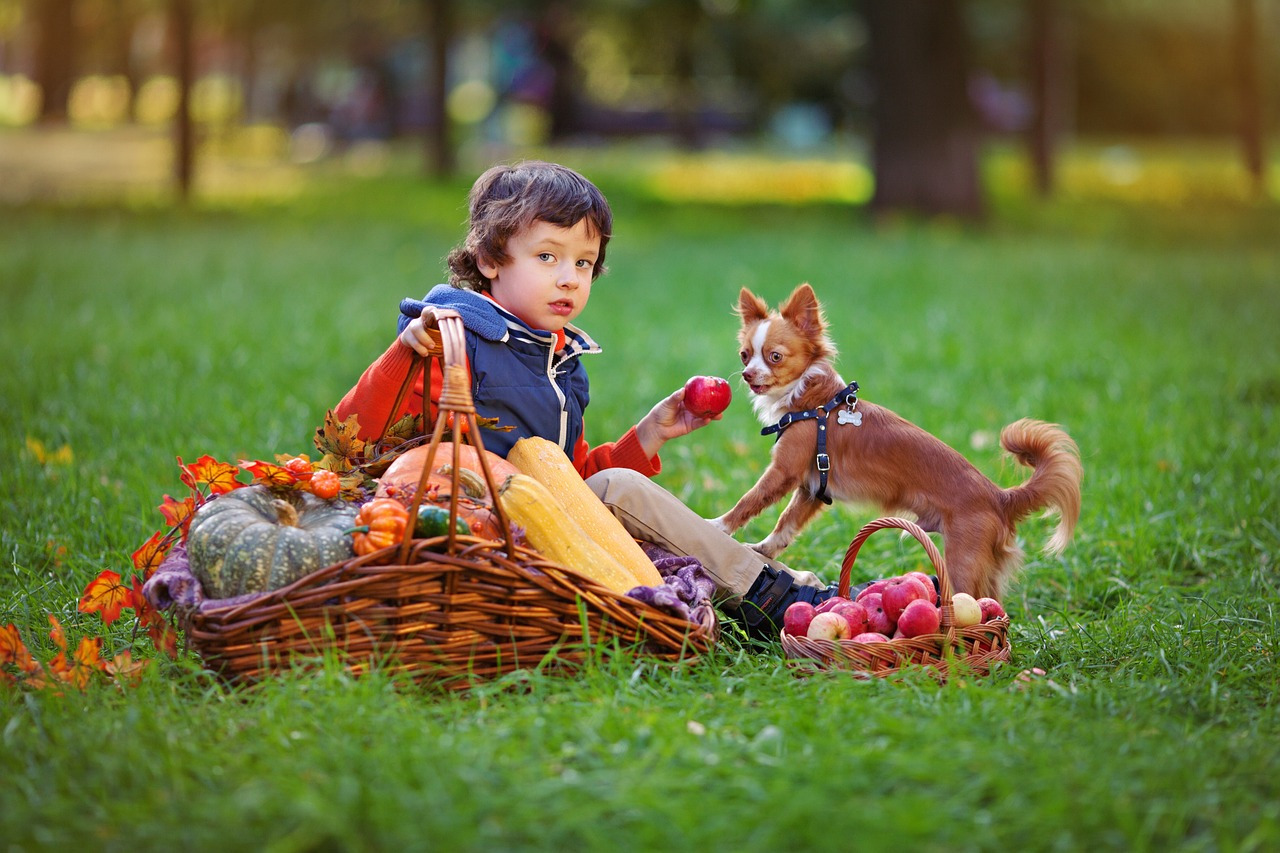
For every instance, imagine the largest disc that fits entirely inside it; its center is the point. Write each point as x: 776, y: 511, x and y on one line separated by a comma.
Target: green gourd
x: 252, y: 539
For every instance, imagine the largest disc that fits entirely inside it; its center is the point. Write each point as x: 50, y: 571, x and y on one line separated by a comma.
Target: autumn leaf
x: 220, y: 477
x: 61, y: 456
x: 178, y: 513
x: 14, y: 651
x: 55, y: 633
x: 152, y: 553
x: 404, y: 429
x: 162, y: 634
x: 80, y: 667
x: 269, y: 474
x: 340, y: 438
x: 124, y: 668
x: 106, y: 594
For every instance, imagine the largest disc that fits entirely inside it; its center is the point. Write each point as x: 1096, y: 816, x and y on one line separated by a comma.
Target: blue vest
x: 516, y: 374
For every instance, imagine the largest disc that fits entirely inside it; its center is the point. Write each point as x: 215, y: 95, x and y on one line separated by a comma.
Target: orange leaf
x: 14, y: 651
x: 178, y: 513
x: 220, y: 477
x: 152, y: 553
x: 83, y: 664
x: 55, y: 633
x: 138, y: 601
x: 269, y: 474
x: 105, y: 594
x: 124, y: 666
x: 162, y: 634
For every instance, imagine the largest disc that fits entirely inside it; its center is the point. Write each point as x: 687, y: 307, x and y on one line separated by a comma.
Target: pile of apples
x: 902, y: 606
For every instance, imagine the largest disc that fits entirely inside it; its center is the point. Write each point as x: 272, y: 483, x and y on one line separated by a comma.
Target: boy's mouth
x: 562, y: 308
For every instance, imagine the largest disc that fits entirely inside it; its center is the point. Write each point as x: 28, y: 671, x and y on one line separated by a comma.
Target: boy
x: 535, y: 246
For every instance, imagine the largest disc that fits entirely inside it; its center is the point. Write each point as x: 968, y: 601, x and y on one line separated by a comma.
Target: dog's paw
x: 765, y: 549
x: 718, y: 524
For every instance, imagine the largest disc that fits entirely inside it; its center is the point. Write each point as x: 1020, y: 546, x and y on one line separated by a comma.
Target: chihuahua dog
x: 833, y: 445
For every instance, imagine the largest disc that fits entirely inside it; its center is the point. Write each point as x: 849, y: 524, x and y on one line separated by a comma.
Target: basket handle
x: 944, y: 582
x: 455, y: 398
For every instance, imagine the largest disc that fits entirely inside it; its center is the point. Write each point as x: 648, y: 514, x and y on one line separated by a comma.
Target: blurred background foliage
x: 889, y: 103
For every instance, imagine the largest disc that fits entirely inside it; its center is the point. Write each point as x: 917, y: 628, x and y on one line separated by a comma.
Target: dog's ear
x: 803, y: 311
x: 751, y: 307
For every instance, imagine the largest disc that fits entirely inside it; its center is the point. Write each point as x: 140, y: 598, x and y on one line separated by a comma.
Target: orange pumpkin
x: 403, y: 474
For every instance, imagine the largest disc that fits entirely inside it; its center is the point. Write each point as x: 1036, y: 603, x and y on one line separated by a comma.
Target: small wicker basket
x: 455, y: 609
x: 974, y: 648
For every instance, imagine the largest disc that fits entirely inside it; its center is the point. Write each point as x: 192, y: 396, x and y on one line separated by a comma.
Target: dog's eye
x: 744, y: 355
x: 775, y: 356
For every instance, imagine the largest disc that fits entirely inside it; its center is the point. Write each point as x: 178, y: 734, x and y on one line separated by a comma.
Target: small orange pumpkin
x: 380, y: 522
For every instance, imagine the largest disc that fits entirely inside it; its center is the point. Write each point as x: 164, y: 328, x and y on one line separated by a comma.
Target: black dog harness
x: 848, y: 396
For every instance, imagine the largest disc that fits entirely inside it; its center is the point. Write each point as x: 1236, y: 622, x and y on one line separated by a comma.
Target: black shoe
x: 770, y: 596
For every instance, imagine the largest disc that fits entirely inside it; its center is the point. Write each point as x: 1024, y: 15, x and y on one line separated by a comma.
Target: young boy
x: 535, y: 246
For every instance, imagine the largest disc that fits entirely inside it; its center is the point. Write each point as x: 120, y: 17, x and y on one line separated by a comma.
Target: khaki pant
x: 652, y: 514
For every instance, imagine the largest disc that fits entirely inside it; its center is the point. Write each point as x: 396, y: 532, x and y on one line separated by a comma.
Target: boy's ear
x: 803, y: 311
x: 487, y: 268
x: 751, y: 307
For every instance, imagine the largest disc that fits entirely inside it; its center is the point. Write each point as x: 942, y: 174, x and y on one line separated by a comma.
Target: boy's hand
x: 422, y: 335
x: 667, y: 420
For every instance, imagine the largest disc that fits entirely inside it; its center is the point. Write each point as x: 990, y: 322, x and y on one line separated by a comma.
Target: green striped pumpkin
x: 253, y: 539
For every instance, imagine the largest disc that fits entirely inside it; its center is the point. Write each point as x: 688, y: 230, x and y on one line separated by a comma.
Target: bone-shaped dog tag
x: 847, y: 416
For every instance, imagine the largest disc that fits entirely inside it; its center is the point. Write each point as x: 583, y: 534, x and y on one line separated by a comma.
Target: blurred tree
x: 1047, y: 55
x: 55, y: 68
x: 439, y: 25
x: 926, y: 137
x: 182, y: 26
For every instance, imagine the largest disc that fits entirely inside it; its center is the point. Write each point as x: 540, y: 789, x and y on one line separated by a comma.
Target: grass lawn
x: 136, y: 334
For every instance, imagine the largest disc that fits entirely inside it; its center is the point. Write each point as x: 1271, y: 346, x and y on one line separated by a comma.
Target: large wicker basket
x: 974, y: 648
x: 455, y: 609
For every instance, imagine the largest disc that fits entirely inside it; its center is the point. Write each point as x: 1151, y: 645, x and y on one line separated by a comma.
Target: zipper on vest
x: 564, y: 414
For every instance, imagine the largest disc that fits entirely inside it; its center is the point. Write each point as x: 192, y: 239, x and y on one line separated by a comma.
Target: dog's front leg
x: 768, y: 490
x: 799, y: 512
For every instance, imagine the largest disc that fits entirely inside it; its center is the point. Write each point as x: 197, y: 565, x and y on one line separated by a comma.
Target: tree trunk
x: 55, y: 58
x: 181, y: 21
x: 1047, y: 90
x: 441, y: 158
x: 1245, y: 49
x: 926, y: 140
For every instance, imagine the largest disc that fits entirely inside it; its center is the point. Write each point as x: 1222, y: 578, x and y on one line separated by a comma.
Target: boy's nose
x: 568, y: 277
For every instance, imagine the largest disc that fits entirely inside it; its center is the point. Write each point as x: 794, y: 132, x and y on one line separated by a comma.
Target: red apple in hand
x: 796, y: 618
x: 707, y: 396
x: 918, y: 618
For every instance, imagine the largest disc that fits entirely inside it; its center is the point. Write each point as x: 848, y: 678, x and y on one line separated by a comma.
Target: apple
x: 900, y: 591
x: 991, y: 609
x: 796, y: 618
x: 871, y: 637
x: 918, y: 618
x: 928, y: 585
x: 707, y: 396
x: 830, y: 603
x: 877, y: 620
x: 829, y: 626
x: 855, y: 613
x: 876, y: 587
x: 965, y: 610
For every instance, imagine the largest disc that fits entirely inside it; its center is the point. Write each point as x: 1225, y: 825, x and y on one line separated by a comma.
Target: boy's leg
x: 759, y: 588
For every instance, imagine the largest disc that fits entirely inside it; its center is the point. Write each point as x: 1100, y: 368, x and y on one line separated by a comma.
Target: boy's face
x: 547, y: 279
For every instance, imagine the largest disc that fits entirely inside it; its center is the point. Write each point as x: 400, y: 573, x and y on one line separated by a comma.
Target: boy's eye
x: 585, y: 264
x: 544, y: 256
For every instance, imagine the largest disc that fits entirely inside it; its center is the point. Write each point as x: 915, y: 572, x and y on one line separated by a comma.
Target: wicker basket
x: 974, y: 648
x: 454, y: 608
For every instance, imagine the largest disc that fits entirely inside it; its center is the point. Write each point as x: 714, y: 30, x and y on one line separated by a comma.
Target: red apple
x: 928, y: 585
x: 830, y: 603
x: 965, y: 610
x: 901, y: 591
x: 876, y: 586
x: 871, y: 637
x: 829, y: 626
x: 707, y: 396
x: 877, y: 620
x: 855, y: 613
x: 991, y: 609
x: 918, y: 618
x: 796, y: 619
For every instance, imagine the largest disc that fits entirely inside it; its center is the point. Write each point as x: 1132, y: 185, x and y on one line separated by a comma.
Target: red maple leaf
x: 152, y: 553
x: 80, y: 667
x: 220, y: 477
x: 106, y: 594
x: 270, y: 474
x: 124, y: 667
x: 178, y: 513
x: 14, y: 651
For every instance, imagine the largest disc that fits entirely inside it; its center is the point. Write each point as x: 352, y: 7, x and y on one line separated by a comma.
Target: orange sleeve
x: 626, y: 452
x: 371, y: 398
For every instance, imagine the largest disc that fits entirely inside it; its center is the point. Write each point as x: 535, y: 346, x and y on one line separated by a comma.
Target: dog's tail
x: 1056, y: 481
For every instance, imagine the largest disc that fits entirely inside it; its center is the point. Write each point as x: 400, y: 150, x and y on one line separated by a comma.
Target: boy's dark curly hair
x: 507, y: 199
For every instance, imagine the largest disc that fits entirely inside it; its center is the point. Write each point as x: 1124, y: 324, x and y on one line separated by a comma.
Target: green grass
x: 136, y: 335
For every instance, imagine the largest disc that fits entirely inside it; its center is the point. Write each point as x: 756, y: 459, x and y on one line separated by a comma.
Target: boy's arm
x: 626, y: 452
x: 371, y: 398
